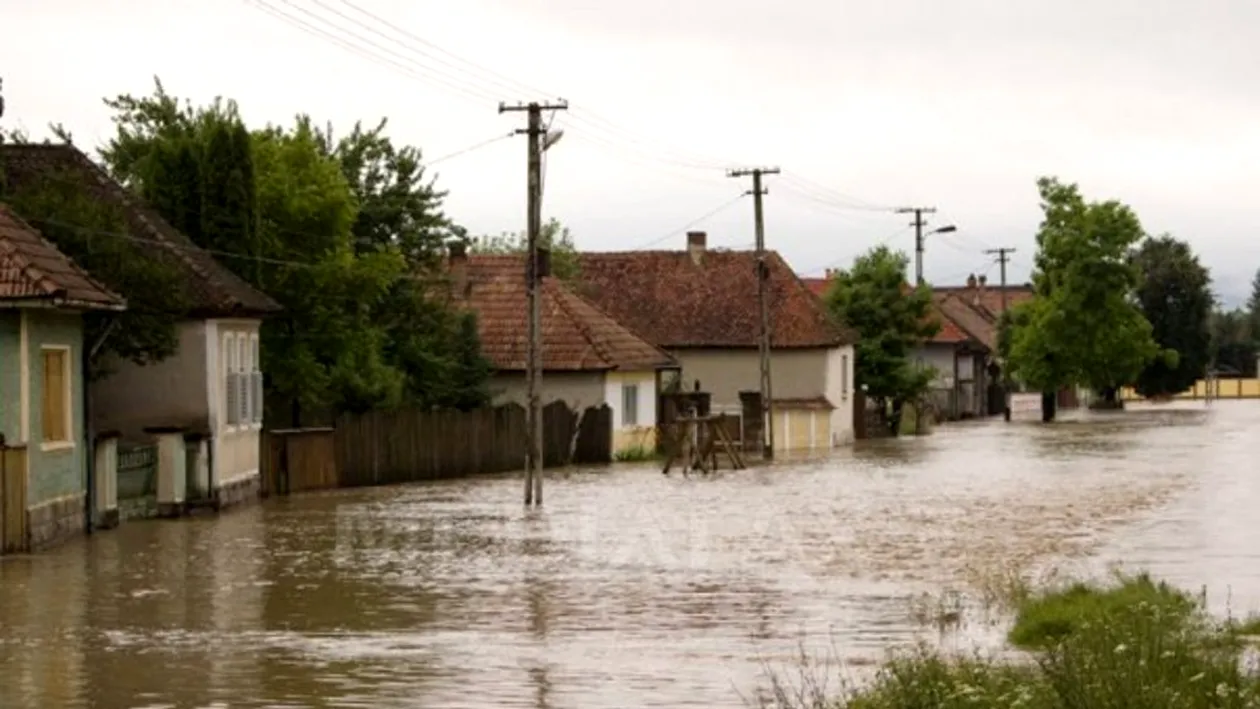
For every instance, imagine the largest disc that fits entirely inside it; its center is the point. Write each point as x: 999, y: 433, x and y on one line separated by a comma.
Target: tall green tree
x: 553, y: 235
x: 1083, y: 326
x: 1234, y: 345
x: 891, y: 319
x: 345, y: 236
x: 1176, y: 298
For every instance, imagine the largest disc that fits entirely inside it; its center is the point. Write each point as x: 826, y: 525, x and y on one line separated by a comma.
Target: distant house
x: 212, y: 385
x: 43, y: 295
x: 588, y: 358
x: 701, y: 306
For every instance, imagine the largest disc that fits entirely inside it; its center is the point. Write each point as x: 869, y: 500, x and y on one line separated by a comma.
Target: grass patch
x: 635, y: 454
x: 1132, y: 644
x: 1045, y: 619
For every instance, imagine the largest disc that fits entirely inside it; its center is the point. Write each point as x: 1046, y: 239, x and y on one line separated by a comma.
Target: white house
x: 588, y: 358
x: 211, y: 388
x: 700, y: 305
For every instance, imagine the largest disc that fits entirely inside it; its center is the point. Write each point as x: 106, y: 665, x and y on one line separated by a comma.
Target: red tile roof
x: 576, y: 335
x: 31, y: 268
x: 675, y: 302
x: 989, y: 297
x: 965, y: 321
x: 212, y: 289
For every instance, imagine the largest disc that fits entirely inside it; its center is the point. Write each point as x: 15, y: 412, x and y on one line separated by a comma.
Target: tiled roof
x: 817, y: 286
x: 989, y: 297
x: 33, y: 269
x: 576, y: 335
x: 673, y: 301
x: 211, y: 289
x: 965, y: 319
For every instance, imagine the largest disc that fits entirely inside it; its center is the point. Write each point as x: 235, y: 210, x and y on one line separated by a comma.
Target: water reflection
x: 630, y: 588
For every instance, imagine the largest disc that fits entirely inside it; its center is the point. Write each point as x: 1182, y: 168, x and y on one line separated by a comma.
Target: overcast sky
x: 956, y: 104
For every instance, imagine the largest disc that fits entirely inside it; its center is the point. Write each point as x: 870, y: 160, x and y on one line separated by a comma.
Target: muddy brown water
x: 630, y: 589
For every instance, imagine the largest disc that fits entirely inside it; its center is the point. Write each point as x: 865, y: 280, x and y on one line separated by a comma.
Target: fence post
x: 106, y: 453
x: 172, y: 476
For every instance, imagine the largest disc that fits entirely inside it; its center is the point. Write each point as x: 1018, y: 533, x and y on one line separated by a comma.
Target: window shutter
x: 232, y: 405
x: 258, y: 397
x: 242, y: 383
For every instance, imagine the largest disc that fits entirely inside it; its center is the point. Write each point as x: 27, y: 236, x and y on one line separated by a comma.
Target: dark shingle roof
x: 211, y: 289
x: 576, y: 335
x: 673, y: 301
x: 31, y: 268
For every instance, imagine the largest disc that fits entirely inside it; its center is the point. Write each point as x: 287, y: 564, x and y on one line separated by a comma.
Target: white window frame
x: 243, y: 402
x: 633, y: 390
x: 67, y: 393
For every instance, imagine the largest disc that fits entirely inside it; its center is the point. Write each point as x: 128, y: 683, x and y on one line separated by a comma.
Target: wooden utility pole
x: 1003, y: 255
x: 918, y: 225
x: 535, y: 132
x: 763, y: 273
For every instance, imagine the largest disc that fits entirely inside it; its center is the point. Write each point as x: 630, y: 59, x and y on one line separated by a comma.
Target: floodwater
x: 630, y: 589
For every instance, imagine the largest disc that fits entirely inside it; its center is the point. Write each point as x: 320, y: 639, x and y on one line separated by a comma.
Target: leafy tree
x: 1253, y: 309
x: 891, y: 319
x: 88, y: 231
x: 1234, y: 347
x: 554, y: 236
x: 1083, y: 325
x: 1176, y: 298
x: 398, y: 207
x: 344, y: 236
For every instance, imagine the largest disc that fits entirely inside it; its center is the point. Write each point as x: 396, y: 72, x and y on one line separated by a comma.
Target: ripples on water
x: 629, y: 589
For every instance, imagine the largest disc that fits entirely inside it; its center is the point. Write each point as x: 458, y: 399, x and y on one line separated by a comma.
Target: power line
x: 675, y: 232
x: 477, y: 82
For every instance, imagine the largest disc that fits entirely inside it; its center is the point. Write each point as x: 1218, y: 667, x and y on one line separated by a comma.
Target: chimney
x: 695, y: 245
x: 971, y: 281
x: 457, y: 267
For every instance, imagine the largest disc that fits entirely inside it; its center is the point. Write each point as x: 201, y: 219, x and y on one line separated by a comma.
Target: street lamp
x: 947, y: 229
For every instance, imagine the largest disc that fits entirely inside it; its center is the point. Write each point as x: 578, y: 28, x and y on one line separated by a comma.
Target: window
x: 844, y: 376
x: 629, y: 404
x: 242, y: 380
x: 55, y: 395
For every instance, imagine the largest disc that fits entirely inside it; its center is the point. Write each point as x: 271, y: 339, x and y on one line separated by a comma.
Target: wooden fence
x: 384, y: 447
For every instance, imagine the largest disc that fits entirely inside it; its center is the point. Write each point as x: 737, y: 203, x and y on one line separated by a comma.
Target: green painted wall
x: 10, y: 373
x: 55, y: 473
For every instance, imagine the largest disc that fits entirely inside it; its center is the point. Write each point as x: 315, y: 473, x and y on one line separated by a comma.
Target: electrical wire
x: 478, y: 83
x: 694, y: 222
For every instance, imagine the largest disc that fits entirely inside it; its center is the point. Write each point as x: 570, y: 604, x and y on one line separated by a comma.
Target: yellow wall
x: 1224, y: 389
x: 805, y: 429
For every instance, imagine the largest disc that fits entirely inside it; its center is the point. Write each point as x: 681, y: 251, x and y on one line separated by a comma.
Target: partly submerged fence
x: 383, y: 447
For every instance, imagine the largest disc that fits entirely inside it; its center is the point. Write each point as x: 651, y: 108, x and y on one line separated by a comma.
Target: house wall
x: 642, y: 433
x: 57, y: 470
x: 839, y: 391
x: 168, y: 393
x: 236, y: 447
x: 795, y: 374
x: 577, y: 389
x: 939, y: 356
